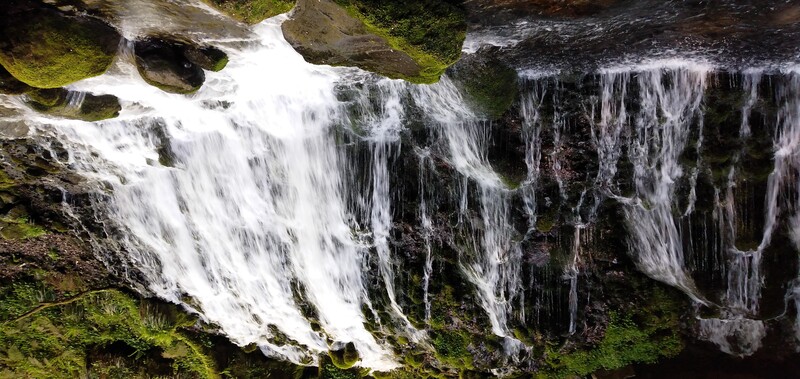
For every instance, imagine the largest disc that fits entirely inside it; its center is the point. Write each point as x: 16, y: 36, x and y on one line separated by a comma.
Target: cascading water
x: 659, y: 135
x: 490, y: 258
x: 251, y: 223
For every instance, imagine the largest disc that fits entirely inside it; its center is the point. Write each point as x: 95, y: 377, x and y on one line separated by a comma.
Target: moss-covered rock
x: 251, y: 11
x: 74, y: 105
x: 45, y: 48
x: 415, y: 41
x: 162, y: 64
x: 431, y: 32
x: 345, y: 357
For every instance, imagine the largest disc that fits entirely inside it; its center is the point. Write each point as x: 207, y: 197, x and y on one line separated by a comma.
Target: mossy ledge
x: 251, y: 11
x: 431, y: 32
x: 413, y: 41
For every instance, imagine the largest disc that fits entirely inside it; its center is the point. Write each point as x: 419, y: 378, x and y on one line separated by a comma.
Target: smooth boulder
x: 162, y: 64
x: 207, y: 57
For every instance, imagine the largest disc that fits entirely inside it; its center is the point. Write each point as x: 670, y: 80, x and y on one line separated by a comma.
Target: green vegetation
x: 251, y: 11
x: 57, y: 50
x: 19, y: 229
x: 642, y: 336
x: 329, y: 370
x: 451, y: 349
x: 42, y: 338
x: 431, y: 32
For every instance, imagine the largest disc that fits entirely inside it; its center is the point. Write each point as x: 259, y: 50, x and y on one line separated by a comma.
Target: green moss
x: 451, y: 349
x: 251, y: 11
x: 50, y: 50
x: 220, y: 64
x: 490, y: 86
x: 55, y: 339
x: 19, y: 229
x: 328, y: 370
x: 346, y: 357
x: 642, y: 336
x: 431, y: 32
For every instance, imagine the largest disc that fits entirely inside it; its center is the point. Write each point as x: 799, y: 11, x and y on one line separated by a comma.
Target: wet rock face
x: 495, y: 10
x: 490, y: 85
x: 46, y: 48
x: 324, y: 33
x: 162, y: 63
x: 554, y: 35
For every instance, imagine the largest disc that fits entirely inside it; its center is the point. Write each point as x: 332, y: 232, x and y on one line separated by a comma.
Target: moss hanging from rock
x: 251, y: 11
x: 45, y: 48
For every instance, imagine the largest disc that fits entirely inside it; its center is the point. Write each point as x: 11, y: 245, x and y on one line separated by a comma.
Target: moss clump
x: 9, y: 85
x: 252, y: 11
x: 641, y: 336
x: 431, y: 32
x: 451, y: 349
x: 345, y: 357
x: 328, y: 370
x: 48, y: 49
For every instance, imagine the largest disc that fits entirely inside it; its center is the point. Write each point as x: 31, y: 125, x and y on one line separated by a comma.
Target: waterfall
x: 250, y: 227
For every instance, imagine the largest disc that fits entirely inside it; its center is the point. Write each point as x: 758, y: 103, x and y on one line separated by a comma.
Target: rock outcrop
x: 412, y: 41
